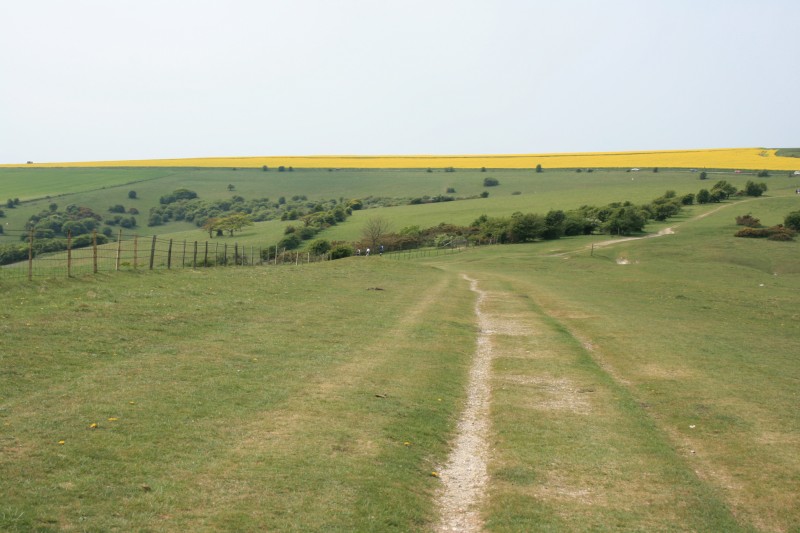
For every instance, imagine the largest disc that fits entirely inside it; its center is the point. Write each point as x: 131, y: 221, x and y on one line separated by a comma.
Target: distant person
x: 380, y: 251
x: 367, y: 252
x: 358, y: 251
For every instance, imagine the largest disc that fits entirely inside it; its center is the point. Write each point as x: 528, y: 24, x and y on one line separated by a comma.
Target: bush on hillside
x: 340, y: 251
x: 774, y: 233
x: 755, y: 189
x: 748, y: 220
x: 319, y: 246
x: 290, y: 242
x: 792, y: 221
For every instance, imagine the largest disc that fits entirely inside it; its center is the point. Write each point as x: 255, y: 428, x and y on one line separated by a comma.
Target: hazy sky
x: 135, y: 79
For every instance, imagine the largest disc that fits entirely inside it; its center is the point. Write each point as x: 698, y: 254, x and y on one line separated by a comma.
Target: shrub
x: 451, y: 190
x: 118, y: 208
x: 763, y: 174
x: 490, y: 182
x: 340, y: 251
x: 319, y: 246
x: 792, y: 221
x: 748, y: 220
x: 178, y: 194
x: 307, y: 232
x: 539, y: 168
x: 484, y: 194
x: 783, y: 235
x: 687, y: 199
x: 516, y: 193
x: 752, y: 188
x: 12, y: 253
x: 289, y: 242
x: 774, y: 233
x: 132, y: 195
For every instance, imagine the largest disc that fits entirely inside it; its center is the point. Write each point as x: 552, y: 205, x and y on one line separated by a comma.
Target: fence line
x: 423, y: 252
x: 133, y: 252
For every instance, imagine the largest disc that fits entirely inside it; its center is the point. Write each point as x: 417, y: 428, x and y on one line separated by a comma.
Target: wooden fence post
x: 94, y: 251
x: 30, y: 255
x: 135, y: 251
x: 194, y: 260
x: 205, y: 260
x: 69, y: 253
x: 183, y: 259
x: 152, y: 252
x: 119, y: 250
x: 169, y: 255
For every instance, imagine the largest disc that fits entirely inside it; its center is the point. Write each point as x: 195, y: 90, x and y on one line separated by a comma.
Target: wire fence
x: 134, y: 252
x: 424, y: 252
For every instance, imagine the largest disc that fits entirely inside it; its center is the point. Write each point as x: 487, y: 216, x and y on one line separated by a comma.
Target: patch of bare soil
x: 464, y: 477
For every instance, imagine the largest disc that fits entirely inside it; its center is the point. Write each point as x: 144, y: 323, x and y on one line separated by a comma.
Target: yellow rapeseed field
x: 729, y: 158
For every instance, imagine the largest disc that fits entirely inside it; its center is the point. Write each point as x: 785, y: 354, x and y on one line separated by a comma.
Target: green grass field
x: 649, y: 385
x: 99, y: 189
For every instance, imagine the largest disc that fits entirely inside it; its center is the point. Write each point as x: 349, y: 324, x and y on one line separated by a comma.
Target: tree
x: 374, y: 230
x: 132, y: 195
x: 624, y: 221
x: 210, y: 225
x: 539, y: 168
x: 724, y: 189
x: 792, y: 220
x: 234, y: 222
x: 490, y: 182
x: 554, y: 224
x: 319, y: 246
x: 231, y: 186
x: 703, y: 196
x: 525, y: 228
x: 752, y: 188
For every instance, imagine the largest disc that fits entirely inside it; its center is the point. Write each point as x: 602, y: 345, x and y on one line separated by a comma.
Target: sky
x: 96, y: 80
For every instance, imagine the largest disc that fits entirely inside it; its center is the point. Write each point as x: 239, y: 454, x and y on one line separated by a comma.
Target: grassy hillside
x: 538, y: 192
x: 647, y: 385
x: 658, y: 385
